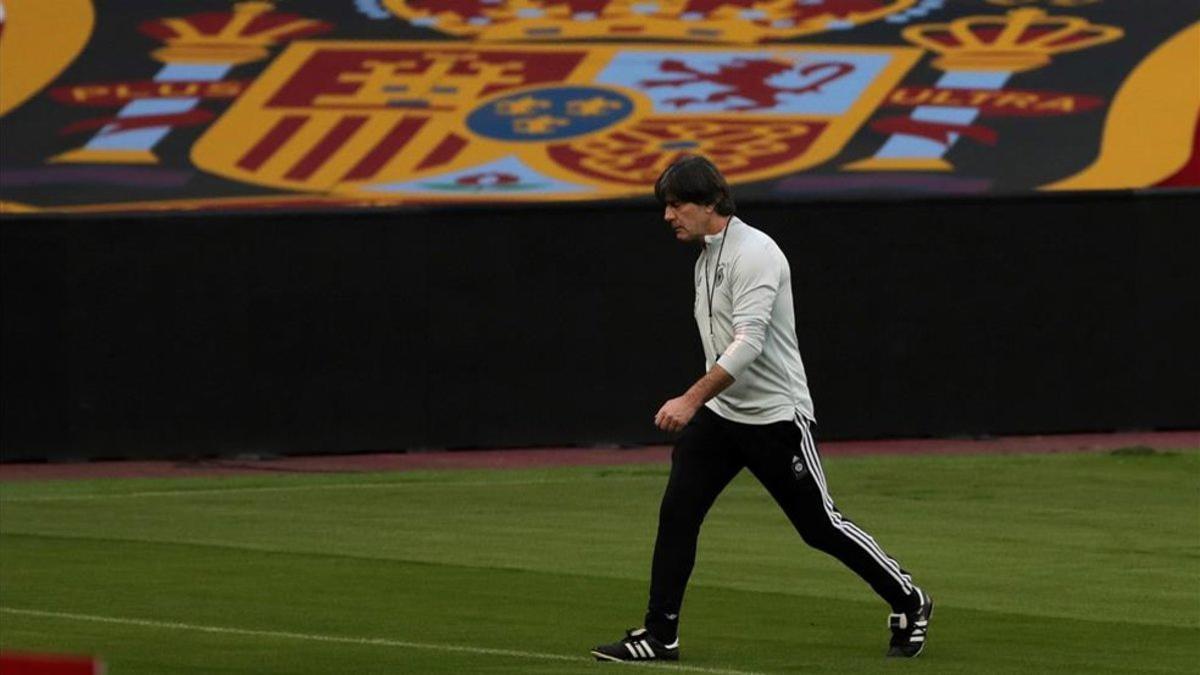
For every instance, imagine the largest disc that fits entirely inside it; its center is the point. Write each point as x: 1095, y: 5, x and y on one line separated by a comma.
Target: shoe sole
x: 605, y: 657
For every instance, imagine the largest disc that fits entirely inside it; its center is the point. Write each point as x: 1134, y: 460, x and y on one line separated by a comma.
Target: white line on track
x: 301, y: 488
x: 376, y: 642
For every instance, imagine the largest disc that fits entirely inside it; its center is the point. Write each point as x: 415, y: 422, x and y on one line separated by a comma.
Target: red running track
x: 551, y: 457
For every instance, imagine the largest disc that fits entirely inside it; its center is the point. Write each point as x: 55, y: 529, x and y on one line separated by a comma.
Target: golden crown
x: 695, y: 20
x: 1023, y: 39
x: 240, y: 36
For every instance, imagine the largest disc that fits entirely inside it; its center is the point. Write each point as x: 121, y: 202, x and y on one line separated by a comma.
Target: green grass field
x: 1072, y: 563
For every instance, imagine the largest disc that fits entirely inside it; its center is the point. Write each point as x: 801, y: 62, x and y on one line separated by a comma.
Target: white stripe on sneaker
x: 632, y: 652
x: 649, y: 651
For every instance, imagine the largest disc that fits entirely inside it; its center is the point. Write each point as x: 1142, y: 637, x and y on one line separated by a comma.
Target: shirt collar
x: 716, y: 238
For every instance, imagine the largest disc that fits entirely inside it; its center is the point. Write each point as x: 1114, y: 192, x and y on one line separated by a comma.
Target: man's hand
x: 676, y: 413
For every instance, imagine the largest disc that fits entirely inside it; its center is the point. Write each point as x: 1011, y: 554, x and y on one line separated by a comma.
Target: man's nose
x: 668, y: 214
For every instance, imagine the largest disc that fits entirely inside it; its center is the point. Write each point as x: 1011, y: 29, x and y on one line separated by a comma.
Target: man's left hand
x: 675, y: 414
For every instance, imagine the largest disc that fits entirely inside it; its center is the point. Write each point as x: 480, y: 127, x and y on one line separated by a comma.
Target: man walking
x: 750, y: 410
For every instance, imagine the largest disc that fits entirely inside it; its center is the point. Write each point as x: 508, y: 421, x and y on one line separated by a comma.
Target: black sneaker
x: 638, y: 645
x: 910, y: 629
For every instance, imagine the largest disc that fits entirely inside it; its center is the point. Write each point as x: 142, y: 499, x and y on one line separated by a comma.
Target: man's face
x: 689, y: 221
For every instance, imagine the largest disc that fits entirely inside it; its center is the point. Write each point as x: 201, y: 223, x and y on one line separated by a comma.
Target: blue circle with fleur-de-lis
x: 549, y: 113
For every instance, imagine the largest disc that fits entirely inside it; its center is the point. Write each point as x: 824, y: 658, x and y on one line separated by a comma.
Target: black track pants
x: 783, y: 457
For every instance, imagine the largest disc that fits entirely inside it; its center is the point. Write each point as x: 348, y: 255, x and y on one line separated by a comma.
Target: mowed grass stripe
x: 1050, y: 535
x: 376, y: 642
x: 1110, y: 621
x: 553, y: 614
x: 1037, y: 563
x: 396, y: 485
x: 313, y: 595
x: 1030, y: 519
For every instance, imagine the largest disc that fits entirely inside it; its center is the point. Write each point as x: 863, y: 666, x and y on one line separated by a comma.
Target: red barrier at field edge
x: 21, y: 663
x: 252, y: 464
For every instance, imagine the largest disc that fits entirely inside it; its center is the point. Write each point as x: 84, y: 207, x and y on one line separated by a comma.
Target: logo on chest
x: 719, y: 276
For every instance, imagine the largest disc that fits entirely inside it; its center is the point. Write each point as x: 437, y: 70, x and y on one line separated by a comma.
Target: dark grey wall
x: 346, y: 332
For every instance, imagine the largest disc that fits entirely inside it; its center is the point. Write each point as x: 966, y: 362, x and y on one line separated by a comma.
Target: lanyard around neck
x: 709, y: 290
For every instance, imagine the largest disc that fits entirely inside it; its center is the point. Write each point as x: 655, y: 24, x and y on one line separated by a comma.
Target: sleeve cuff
x: 737, y: 357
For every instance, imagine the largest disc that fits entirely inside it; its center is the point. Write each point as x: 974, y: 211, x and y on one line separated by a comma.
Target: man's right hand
x: 676, y: 413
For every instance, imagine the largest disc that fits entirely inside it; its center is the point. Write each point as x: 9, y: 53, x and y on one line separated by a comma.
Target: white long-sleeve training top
x: 752, y: 333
